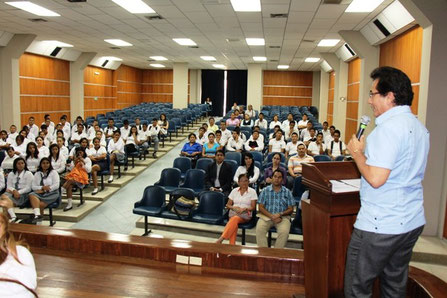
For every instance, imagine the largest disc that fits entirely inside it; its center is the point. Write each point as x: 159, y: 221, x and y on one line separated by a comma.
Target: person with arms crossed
x: 392, y: 163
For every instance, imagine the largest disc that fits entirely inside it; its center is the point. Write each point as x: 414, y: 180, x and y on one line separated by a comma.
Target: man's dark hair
x: 326, y: 122
x: 320, y: 133
x: 111, y: 119
x: 125, y: 121
x: 277, y: 171
x: 337, y: 131
x: 332, y: 126
x: 220, y: 151
x: 393, y: 80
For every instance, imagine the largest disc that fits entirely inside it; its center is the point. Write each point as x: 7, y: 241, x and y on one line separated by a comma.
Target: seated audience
x: 98, y: 156
x: 305, y: 133
x: 311, y: 137
x: 218, y: 139
x: 83, y: 143
x: 212, y: 125
x: 317, y: 147
x: 290, y: 129
x: 329, y: 138
x: 302, y: 124
x: 138, y: 123
x: 66, y: 126
x: 57, y: 159
x: 164, y: 125
x: 43, y: 150
x: 218, y: 175
x: 16, y: 264
x: 250, y: 112
x: 291, y: 147
x: 247, y: 122
x: 275, y: 122
x: 336, y: 147
x: 241, y: 203
x: 4, y: 140
x: 2, y: 181
x: 254, y: 143
x: 226, y: 134
x: 74, y: 128
x: 109, y: 131
x: 45, y: 189
x: 192, y: 149
x: 295, y: 162
x: 201, y: 137
x: 154, y: 131
x: 261, y: 122
x: 80, y: 167
x: 18, y: 187
x: 286, y: 123
x: 20, y: 146
x: 277, y: 144
x: 33, y: 128
x: 115, y: 148
x: 275, y: 207
x: 32, y: 157
x: 235, y: 143
x: 125, y: 129
x: 78, y: 135
x: 47, y: 121
x: 233, y: 121
x: 247, y: 167
x: 273, y: 134
x: 47, y: 138
x: 12, y: 134
x: 62, y: 149
x: 234, y: 107
x: 209, y: 149
x: 326, y: 132
x: 276, y: 165
x: 8, y: 161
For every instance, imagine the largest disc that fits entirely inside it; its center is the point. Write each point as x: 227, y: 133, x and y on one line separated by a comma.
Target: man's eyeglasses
x: 371, y: 94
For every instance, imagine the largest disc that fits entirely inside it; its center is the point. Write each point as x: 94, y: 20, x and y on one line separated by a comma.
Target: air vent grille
x: 115, y: 48
x: 274, y: 47
x: 154, y: 18
x: 233, y: 40
x: 279, y: 15
x: 193, y: 47
x: 37, y: 20
x: 76, y: 1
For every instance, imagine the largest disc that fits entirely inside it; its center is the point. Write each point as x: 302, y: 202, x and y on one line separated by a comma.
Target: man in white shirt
x: 79, y: 120
x: 326, y: 132
x: 154, y: 130
x: 250, y: 112
x: 328, y: 139
x: 285, y: 123
x: 226, y: 133
x: 311, y: 137
x: 261, y: 122
x: 109, y: 130
x: 66, y: 126
x: 290, y: 130
x: 47, y: 121
x: 12, y: 134
x: 302, y: 124
x: 318, y: 147
x: 33, y: 128
x: 336, y: 147
x: 306, y: 132
x: 277, y: 144
x: 125, y: 130
x: 202, y: 136
x: 254, y: 143
x: 291, y: 147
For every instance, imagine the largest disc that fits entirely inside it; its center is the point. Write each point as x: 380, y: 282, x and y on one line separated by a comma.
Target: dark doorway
x: 213, y: 87
x: 236, y: 88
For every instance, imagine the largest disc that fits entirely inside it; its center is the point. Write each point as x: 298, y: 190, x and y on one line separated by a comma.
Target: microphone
x: 363, y: 123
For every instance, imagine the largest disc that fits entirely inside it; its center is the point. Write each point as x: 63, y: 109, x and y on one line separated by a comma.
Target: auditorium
x: 223, y: 148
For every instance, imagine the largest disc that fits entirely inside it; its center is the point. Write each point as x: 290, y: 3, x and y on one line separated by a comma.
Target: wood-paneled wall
x: 330, y: 98
x: 157, y: 85
x: 44, y: 88
x: 287, y: 88
x: 352, y: 107
x: 100, y: 91
x: 404, y: 52
x: 128, y: 86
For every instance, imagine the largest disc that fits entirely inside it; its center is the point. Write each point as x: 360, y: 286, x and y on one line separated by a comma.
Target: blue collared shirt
x: 196, y: 147
x: 276, y: 202
x: 399, y: 143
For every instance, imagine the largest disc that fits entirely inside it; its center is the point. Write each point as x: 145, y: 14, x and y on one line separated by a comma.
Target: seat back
x: 170, y: 177
x: 257, y: 156
x: 203, y: 163
x: 298, y: 188
x: 153, y: 196
x: 340, y: 158
x: 182, y: 163
x: 106, y: 170
x: 194, y: 179
x: 211, y: 202
x: 236, y: 156
x: 318, y: 158
x: 233, y: 165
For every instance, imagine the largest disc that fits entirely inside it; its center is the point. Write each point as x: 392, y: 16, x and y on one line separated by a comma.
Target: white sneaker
x: 110, y: 179
x: 95, y: 191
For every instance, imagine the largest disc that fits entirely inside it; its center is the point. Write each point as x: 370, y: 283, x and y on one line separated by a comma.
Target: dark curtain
x: 213, y: 87
x: 236, y: 88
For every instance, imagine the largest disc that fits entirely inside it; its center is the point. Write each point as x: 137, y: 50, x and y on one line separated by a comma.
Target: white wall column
x: 316, y: 89
x: 193, y: 90
x: 9, y: 79
x: 254, y: 85
x: 324, y: 90
x: 77, y: 84
x: 180, y: 92
x: 369, y: 56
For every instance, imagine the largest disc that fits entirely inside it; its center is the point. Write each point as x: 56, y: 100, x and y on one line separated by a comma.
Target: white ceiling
x: 208, y: 22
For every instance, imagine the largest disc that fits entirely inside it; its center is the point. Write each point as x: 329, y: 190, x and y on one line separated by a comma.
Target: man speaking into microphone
x: 392, y: 163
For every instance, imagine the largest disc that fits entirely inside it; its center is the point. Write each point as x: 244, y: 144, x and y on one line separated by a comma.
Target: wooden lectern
x: 328, y: 220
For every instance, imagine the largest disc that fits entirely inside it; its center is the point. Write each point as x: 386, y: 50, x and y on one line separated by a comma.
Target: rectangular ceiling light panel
x: 33, y: 8
x: 328, y: 42
x: 363, y: 5
x: 208, y: 58
x: 156, y: 65
x: 246, y: 5
x: 184, y: 41
x: 259, y: 59
x: 118, y: 42
x: 255, y: 41
x: 134, y: 6
x: 158, y: 58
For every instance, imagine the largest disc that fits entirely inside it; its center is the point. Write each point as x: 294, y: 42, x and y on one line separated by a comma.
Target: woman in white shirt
x: 32, y: 157
x: 18, y: 187
x: 43, y: 150
x: 98, y: 156
x: 57, y: 159
x: 275, y: 122
x: 83, y: 144
x: 116, y: 150
x: 164, y: 124
x: 247, y: 167
x: 241, y: 203
x: 2, y: 180
x: 45, y: 189
x: 8, y: 161
x: 62, y: 149
x: 16, y: 264
x: 235, y: 143
x: 20, y: 146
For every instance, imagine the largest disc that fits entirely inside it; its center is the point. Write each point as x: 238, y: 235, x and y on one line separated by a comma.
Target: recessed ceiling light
x: 218, y: 65
x: 33, y: 8
x: 184, y: 41
x: 255, y: 41
x: 363, y: 6
x: 246, y: 5
x: 58, y: 43
x: 158, y: 58
x: 118, y: 42
x: 134, y: 6
x: 312, y: 59
x: 328, y: 42
x: 208, y: 58
x: 157, y: 65
x: 258, y: 58
x: 282, y: 67
x: 112, y: 58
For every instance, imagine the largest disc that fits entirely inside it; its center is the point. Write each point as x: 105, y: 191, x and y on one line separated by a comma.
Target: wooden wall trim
x: 43, y: 79
x: 284, y: 86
